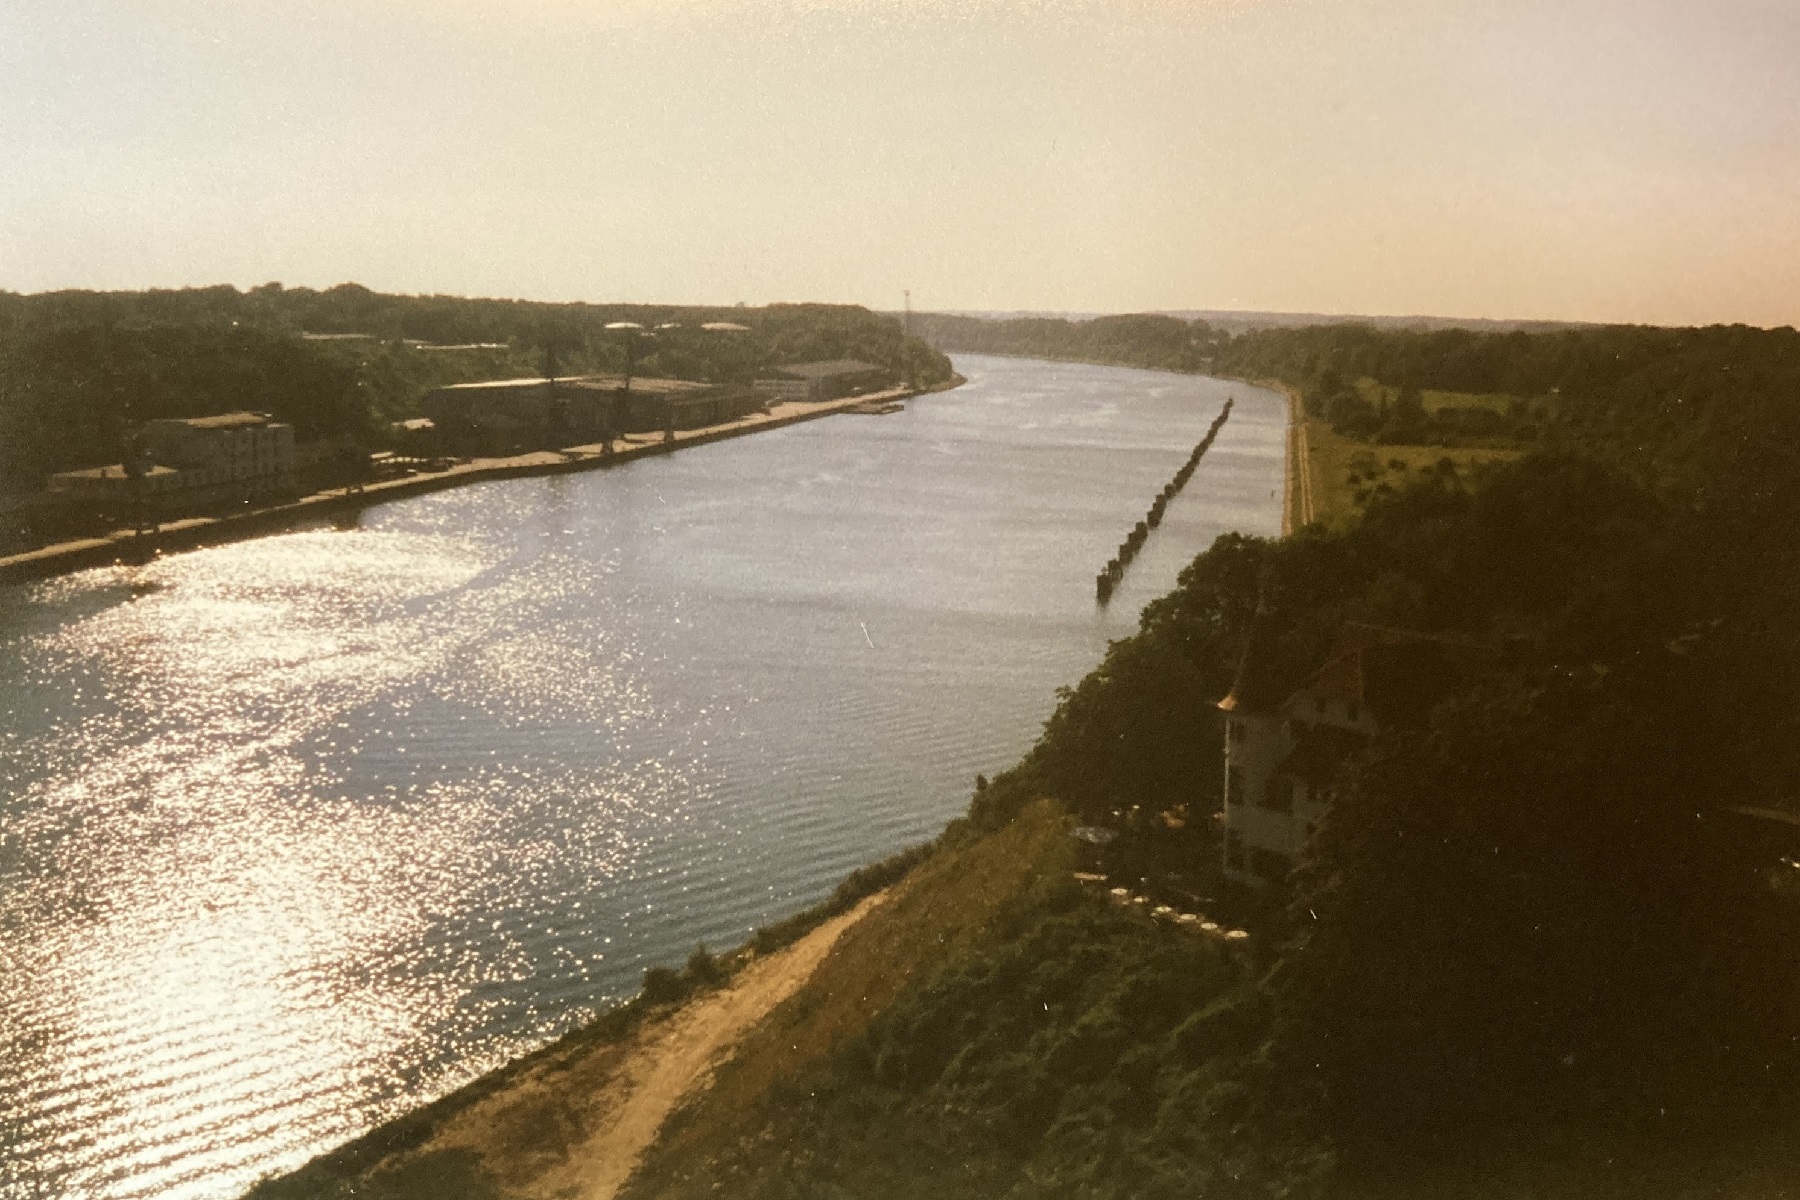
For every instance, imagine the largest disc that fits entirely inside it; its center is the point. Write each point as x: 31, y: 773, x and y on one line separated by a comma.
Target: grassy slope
x: 940, y: 912
x: 993, y: 1032
x: 387, y: 1164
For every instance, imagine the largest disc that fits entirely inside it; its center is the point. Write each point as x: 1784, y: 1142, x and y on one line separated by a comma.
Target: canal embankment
x: 334, y: 504
x: 1298, y: 506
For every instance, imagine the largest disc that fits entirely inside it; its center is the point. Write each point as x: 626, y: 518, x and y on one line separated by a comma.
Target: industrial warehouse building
x: 231, y: 456
x: 506, y: 416
x: 815, y: 381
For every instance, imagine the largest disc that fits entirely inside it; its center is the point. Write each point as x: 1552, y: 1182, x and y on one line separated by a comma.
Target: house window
x: 1237, y: 731
x: 1234, y: 786
x: 1234, y: 849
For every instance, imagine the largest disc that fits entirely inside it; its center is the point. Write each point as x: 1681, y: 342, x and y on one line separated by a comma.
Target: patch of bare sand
x: 575, y: 1126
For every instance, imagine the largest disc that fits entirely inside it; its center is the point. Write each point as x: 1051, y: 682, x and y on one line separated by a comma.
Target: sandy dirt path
x: 574, y: 1124
x: 675, y: 1059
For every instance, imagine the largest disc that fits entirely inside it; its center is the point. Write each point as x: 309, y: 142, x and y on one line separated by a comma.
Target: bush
x: 703, y: 970
x: 664, y: 985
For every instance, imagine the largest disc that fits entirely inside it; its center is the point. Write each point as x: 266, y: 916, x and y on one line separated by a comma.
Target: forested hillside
x: 78, y: 368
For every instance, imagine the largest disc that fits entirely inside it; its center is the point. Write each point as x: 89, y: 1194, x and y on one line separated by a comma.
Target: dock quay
x: 128, y: 546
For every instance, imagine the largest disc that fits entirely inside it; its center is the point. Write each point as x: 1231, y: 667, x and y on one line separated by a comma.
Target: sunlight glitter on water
x: 232, y: 918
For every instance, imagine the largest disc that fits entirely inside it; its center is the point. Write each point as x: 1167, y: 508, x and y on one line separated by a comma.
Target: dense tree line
x: 1660, y: 398
x: 1404, y: 420
x: 77, y: 369
x: 1591, y: 361
x: 1132, y: 340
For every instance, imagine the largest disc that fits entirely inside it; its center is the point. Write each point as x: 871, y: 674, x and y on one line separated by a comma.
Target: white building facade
x: 244, y: 448
x: 235, y: 455
x: 1280, y: 758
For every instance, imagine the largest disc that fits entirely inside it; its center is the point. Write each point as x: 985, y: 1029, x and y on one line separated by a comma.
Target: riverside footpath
x: 129, y: 546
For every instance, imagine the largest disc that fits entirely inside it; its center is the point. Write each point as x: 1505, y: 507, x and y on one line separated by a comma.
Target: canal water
x: 299, y: 832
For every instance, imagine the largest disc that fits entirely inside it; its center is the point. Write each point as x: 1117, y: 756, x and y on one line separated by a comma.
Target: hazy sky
x: 1587, y: 159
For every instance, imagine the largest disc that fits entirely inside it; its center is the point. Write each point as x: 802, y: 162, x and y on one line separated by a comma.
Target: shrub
x: 703, y: 970
x: 664, y: 985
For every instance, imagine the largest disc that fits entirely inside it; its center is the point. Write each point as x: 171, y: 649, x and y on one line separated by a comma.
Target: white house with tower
x: 1282, y: 754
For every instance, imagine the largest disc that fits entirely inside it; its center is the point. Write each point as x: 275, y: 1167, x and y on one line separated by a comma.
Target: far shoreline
x: 127, y: 547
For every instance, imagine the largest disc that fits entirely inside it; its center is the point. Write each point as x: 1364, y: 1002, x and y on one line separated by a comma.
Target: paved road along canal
x: 297, y: 832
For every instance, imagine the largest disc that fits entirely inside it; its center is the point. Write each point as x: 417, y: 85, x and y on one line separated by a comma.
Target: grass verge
x: 1348, y: 473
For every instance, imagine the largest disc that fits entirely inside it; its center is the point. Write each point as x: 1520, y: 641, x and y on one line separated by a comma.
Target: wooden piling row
x: 1115, y: 569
